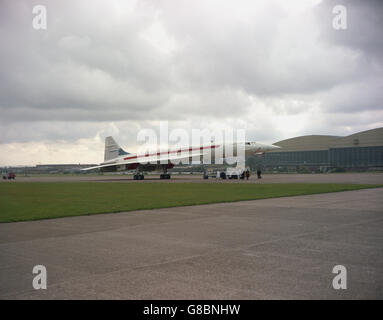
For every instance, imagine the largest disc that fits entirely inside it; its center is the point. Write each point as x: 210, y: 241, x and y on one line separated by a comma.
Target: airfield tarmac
x: 282, y: 248
x: 370, y: 178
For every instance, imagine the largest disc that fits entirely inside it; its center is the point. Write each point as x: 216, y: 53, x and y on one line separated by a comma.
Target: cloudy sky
x: 276, y: 68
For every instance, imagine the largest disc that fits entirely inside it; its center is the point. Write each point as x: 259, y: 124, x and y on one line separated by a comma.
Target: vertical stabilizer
x: 112, y: 149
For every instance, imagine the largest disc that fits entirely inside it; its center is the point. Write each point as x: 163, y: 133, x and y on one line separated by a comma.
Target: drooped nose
x: 274, y: 147
x: 270, y: 147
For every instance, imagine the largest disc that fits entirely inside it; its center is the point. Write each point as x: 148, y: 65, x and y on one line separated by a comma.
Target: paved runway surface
x: 372, y: 178
x: 265, y: 249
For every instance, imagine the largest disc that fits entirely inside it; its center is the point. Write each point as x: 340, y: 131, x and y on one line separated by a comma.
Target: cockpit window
x: 248, y: 143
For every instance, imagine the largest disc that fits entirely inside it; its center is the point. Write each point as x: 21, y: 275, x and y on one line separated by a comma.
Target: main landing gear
x: 165, y: 175
x: 138, y: 176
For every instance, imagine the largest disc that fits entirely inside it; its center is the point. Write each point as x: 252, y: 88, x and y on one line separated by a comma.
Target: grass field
x: 39, y: 200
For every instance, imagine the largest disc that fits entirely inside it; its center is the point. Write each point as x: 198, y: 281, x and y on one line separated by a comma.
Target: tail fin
x: 112, y: 149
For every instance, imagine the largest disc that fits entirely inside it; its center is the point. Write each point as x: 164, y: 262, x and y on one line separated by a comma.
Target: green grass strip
x: 43, y: 200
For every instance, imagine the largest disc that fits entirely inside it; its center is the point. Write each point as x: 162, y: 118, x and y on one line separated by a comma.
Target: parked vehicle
x: 9, y: 176
x: 235, y: 173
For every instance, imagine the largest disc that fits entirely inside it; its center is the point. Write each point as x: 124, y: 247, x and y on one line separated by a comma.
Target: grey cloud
x: 103, y: 68
x: 364, y: 26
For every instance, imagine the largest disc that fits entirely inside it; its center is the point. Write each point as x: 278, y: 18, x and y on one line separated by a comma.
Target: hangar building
x: 363, y: 150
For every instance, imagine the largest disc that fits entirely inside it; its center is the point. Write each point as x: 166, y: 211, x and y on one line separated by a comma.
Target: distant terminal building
x: 47, y: 168
x: 61, y: 168
x: 359, y: 151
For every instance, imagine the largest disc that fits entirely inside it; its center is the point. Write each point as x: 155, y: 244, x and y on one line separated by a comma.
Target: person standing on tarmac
x: 247, y: 174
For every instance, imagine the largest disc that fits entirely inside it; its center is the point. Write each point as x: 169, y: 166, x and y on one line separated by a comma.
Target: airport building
x: 47, y: 168
x: 359, y: 151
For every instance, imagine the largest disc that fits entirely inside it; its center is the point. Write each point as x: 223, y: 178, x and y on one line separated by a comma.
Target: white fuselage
x: 116, y: 159
x: 209, y: 154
